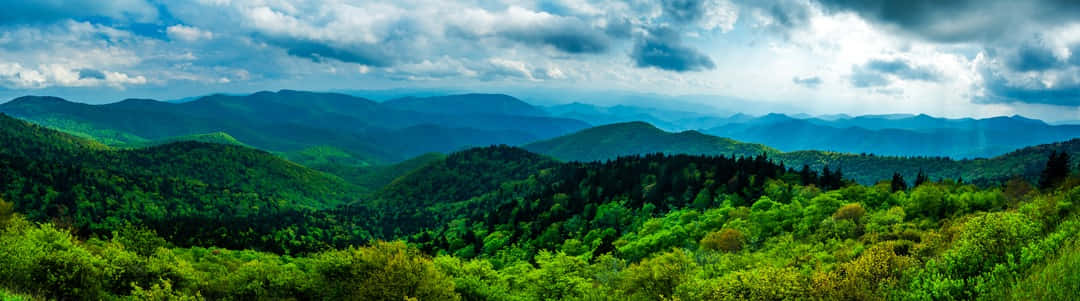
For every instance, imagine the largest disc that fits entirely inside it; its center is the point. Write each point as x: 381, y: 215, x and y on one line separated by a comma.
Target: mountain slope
x: 174, y: 188
x: 458, y: 177
x: 633, y: 138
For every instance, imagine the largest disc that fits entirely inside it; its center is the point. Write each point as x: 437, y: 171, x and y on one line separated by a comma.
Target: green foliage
x: 659, y: 277
x: 729, y: 240
x: 1056, y: 279
x: 176, y: 222
x: 190, y: 192
x: 385, y: 271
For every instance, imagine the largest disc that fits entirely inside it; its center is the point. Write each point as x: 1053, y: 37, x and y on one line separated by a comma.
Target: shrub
x: 728, y: 240
x: 853, y: 212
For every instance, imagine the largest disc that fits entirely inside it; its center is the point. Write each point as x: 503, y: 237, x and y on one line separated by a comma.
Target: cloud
x: 1040, y: 55
x: 864, y: 78
x: 881, y: 72
x: 710, y: 14
x: 43, y: 11
x: 16, y: 76
x: 320, y: 51
x: 187, y: 33
x: 662, y: 48
x: 566, y: 34
x: 91, y: 74
x: 1003, y: 82
x: 779, y: 16
x: 1061, y: 93
x: 903, y: 69
x: 961, y: 20
x: 809, y: 82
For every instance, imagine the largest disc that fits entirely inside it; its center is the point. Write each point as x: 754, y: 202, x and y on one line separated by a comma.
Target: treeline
x: 794, y: 242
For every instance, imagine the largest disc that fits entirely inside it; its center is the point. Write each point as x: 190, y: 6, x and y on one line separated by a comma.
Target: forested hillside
x: 175, y: 188
x: 83, y: 220
x: 651, y: 227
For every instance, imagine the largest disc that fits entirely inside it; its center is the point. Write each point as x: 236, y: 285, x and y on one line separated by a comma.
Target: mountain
x: 466, y: 104
x: 286, y: 121
x: 634, y: 138
x: 667, y: 119
x: 897, y: 135
x: 175, y: 188
x: 637, y: 138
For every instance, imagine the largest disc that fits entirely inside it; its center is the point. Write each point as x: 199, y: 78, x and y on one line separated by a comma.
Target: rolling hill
x: 633, y: 138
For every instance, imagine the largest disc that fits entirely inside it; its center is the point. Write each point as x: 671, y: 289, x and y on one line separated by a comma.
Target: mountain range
x: 638, y: 138
x: 351, y: 136
x: 293, y: 120
x: 892, y: 134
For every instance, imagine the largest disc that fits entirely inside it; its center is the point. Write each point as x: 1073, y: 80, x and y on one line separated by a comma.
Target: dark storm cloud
x: 960, y: 20
x: 91, y: 74
x: 570, y: 37
x: 320, y: 51
x: 809, y: 82
x: 662, y: 48
x: 1033, y: 57
x: 1000, y: 90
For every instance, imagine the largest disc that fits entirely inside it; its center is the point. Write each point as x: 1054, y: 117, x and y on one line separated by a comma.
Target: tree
x: 807, y: 176
x: 6, y: 212
x: 898, y: 183
x: 921, y: 178
x: 383, y: 271
x: 1057, y: 168
x: 727, y: 240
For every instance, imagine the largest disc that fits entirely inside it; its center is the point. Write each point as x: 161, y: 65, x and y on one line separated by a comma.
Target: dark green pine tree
x: 898, y: 183
x: 1057, y: 168
x: 921, y: 178
x: 807, y: 176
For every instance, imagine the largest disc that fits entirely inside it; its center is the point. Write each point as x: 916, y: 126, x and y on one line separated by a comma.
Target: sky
x: 956, y: 58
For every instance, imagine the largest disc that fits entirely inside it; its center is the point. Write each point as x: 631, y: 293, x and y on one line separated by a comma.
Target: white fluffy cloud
x: 810, y: 55
x: 187, y: 33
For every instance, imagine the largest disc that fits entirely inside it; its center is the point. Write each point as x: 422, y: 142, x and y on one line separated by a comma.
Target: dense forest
x: 195, y: 220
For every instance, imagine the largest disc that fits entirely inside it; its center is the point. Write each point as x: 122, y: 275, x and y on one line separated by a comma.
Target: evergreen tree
x: 898, y: 183
x: 921, y: 178
x: 807, y: 176
x: 1057, y: 168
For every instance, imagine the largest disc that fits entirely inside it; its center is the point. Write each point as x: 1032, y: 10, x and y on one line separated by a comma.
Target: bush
x: 727, y: 240
x: 766, y: 283
x: 384, y: 271
x: 853, y: 212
